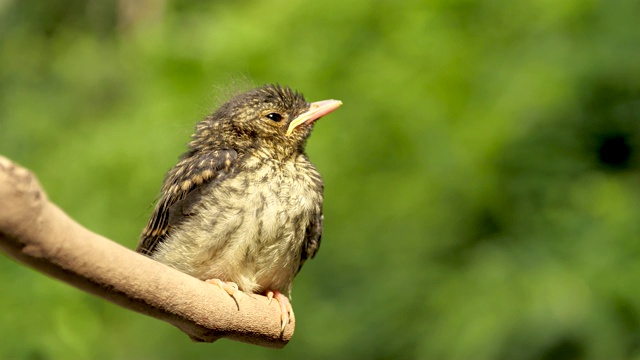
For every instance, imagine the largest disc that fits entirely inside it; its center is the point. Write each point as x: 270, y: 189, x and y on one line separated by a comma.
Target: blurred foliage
x: 482, y: 178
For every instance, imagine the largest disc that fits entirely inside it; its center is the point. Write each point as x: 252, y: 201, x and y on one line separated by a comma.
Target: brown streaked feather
x: 181, y: 180
x: 312, y: 238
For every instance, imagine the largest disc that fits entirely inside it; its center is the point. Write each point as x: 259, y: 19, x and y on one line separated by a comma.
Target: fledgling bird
x: 242, y: 209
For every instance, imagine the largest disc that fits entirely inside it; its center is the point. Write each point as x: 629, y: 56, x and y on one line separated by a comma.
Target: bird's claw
x: 230, y: 287
x: 285, y: 306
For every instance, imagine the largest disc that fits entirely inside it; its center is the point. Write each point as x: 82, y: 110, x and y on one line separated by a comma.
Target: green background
x: 482, y: 178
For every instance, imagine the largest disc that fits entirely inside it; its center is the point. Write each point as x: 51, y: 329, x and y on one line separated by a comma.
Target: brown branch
x: 37, y: 233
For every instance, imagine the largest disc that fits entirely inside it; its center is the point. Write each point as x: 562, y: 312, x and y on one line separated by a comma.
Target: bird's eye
x: 274, y: 117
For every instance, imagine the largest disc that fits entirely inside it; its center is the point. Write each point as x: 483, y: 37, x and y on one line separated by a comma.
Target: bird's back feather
x: 182, y: 179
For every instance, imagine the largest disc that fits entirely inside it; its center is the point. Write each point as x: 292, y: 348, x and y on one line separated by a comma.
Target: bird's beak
x: 317, y: 110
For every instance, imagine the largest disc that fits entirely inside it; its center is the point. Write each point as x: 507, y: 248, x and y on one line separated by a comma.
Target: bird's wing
x: 313, y: 236
x: 191, y: 172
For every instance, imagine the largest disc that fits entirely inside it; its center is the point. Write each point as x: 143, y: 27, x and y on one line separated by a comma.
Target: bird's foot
x: 230, y: 287
x: 285, y: 306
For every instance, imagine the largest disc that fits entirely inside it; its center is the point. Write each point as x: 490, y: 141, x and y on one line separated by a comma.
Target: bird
x: 242, y: 208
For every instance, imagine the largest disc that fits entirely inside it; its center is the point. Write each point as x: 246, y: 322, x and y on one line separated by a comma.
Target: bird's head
x: 270, y: 116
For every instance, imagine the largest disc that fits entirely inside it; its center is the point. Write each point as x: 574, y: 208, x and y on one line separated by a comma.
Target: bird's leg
x: 230, y: 287
x: 285, y: 306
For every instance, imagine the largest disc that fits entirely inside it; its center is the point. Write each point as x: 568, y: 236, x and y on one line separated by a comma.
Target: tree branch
x: 37, y: 233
